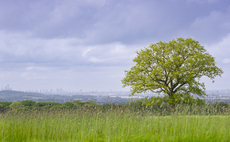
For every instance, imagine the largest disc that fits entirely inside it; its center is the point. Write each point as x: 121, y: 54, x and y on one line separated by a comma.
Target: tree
x: 172, y: 68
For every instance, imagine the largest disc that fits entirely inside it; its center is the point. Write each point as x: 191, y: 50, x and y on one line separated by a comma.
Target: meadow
x: 93, y: 124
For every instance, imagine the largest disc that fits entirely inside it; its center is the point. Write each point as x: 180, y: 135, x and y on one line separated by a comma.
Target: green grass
x: 114, y: 126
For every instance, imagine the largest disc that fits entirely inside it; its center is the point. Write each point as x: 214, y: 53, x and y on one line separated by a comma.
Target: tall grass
x: 115, y: 125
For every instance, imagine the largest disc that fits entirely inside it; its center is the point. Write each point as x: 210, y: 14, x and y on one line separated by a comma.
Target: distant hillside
x: 11, y: 96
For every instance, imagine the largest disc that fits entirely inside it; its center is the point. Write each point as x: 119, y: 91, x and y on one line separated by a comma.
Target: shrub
x: 4, y: 106
x: 28, y: 103
x: 16, y: 105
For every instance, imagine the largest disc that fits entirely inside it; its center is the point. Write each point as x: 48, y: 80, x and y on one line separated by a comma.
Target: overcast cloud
x: 88, y: 44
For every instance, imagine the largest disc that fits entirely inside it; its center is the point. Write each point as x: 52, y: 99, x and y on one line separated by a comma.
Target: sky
x: 87, y: 44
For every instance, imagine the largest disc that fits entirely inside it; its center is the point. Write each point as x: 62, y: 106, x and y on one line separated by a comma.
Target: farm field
x: 111, y: 126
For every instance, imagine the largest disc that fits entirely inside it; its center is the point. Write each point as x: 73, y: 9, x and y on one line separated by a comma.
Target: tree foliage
x: 173, y: 68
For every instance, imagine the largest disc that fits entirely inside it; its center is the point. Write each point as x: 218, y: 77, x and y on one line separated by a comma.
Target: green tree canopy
x: 173, y: 67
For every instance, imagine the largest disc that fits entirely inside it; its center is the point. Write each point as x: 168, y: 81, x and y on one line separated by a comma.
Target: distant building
x: 7, y: 87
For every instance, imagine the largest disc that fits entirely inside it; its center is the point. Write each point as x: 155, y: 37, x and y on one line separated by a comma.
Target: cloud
x: 95, y: 60
x: 86, y: 51
x: 226, y: 61
x: 213, y: 27
x: 61, y: 52
x: 65, y: 42
x: 221, y: 49
x: 203, y: 1
x: 108, y: 21
x: 32, y: 76
x: 22, y: 48
x: 102, y: 22
x: 36, y: 68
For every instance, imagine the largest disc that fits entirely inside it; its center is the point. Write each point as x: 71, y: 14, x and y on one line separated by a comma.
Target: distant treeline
x: 134, y: 106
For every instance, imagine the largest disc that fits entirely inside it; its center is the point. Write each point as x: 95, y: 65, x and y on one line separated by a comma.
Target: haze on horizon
x: 88, y: 44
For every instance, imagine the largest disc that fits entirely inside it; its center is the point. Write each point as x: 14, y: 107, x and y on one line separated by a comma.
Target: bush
x: 47, y: 105
x: 4, y: 106
x: 17, y: 106
x: 40, y: 104
x: 28, y: 103
x: 69, y: 105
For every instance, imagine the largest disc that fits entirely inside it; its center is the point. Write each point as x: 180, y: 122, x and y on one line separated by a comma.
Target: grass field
x: 111, y: 126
